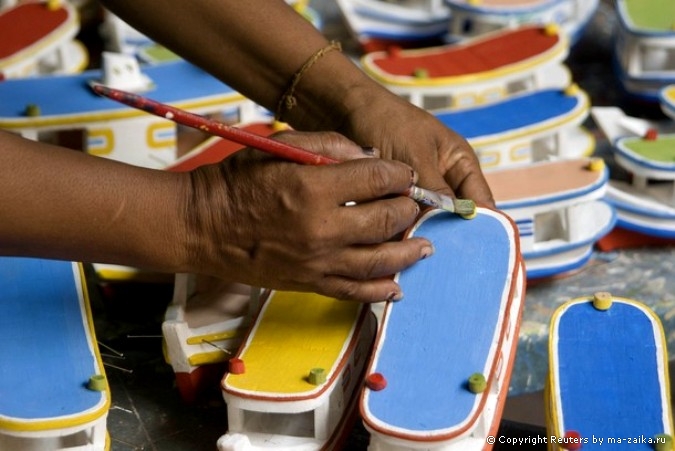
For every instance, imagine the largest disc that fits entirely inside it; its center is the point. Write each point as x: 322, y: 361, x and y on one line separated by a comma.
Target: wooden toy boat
x: 608, y: 376
x: 644, y: 48
x: 206, y: 321
x: 525, y: 127
x: 477, y: 71
x: 633, y: 211
x: 646, y: 202
x: 53, y: 390
x: 375, y: 23
x: 294, y: 381
x: 559, y: 211
x: 442, y: 359
x: 38, y: 38
x: 471, y: 18
x: 203, y: 326
x: 35, y: 108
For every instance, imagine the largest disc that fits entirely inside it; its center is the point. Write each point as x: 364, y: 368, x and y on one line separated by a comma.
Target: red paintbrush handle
x: 271, y: 146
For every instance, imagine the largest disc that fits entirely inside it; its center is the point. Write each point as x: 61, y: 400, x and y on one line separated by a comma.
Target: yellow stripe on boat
x: 295, y: 333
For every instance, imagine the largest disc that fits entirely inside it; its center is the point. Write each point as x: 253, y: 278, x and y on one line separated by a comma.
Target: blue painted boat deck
x: 609, y: 380
x: 516, y: 112
x: 47, y: 356
x: 177, y: 83
x: 444, y: 328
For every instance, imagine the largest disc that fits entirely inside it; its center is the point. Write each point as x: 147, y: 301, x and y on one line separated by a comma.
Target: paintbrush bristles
x: 463, y: 207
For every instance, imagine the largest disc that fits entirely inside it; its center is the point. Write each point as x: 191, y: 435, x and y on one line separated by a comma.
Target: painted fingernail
x: 370, y: 151
x: 395, y: 296
x: 427, y: 251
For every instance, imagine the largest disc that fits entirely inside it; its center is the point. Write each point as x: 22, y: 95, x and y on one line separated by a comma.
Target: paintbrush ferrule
x: 463, y: 207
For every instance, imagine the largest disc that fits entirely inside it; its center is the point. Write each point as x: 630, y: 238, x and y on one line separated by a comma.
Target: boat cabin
x: 36, y: 109
x: 477, y: 71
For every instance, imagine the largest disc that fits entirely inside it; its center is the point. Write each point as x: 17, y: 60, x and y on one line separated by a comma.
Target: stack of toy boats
x: 378, y: 23
x: 642, y: 188
x: 645, y: 199
x: 645, y: 47
x: 510, y: 95
x: 508, y: 92
x: 471, y: 18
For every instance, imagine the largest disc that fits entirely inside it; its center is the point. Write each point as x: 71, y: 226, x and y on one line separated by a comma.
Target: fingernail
x: 427, y: 251
x: 413, y: 177
x: 370, y: 151
x: 394, y: 296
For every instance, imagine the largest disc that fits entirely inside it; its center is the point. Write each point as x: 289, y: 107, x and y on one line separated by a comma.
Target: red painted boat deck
x: 484, y: 55
x: 27, y: 24
x: 216, y: 150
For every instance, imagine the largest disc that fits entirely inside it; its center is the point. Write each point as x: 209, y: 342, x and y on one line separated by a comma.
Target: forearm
x: 77, y: 207
x: 255, y: 46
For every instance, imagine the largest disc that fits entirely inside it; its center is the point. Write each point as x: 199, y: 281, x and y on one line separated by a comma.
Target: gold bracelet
x: 288, y: 100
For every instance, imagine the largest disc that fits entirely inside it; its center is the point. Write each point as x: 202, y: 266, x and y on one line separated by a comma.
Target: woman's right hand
x: 276, y: 224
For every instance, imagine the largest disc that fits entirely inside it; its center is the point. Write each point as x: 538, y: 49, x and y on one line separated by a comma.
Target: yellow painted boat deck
x: 294, y: 333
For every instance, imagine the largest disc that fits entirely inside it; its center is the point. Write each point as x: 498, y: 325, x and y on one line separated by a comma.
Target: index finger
x: 367, y: 179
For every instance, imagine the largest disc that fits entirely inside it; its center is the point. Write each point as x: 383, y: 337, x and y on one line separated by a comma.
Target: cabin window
x: 545, y: 147
x: 657, y: 59
x: 467, y: 26
x: 520, y: 85
x: 293, y: 424
x: 549, y: 226
x: 436, y: 102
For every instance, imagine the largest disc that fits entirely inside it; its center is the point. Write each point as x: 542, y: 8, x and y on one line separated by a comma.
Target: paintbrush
x: 463, y: 207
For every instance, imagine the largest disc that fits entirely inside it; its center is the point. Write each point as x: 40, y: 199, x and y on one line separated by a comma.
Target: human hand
x: 275, y: 224
x: 444, y: 160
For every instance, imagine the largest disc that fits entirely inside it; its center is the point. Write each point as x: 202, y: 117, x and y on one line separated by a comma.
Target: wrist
x: 324, y: 102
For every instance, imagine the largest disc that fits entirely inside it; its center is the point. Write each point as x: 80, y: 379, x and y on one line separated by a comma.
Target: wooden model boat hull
x: 460, y: 315
x: 197, y: 335
x: 644, y: 47
x: 376, y: 19
x: 476, y: 71
x: 646, y: 204
x: 558, y: 209
x: 109, y: 128
x: 525, y: 128
x: 275, y: 397
x: 48, y: 356
x: 469, y: 18
x: 37, y: 39
x: 608, y: 375
x: 203, y: 326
